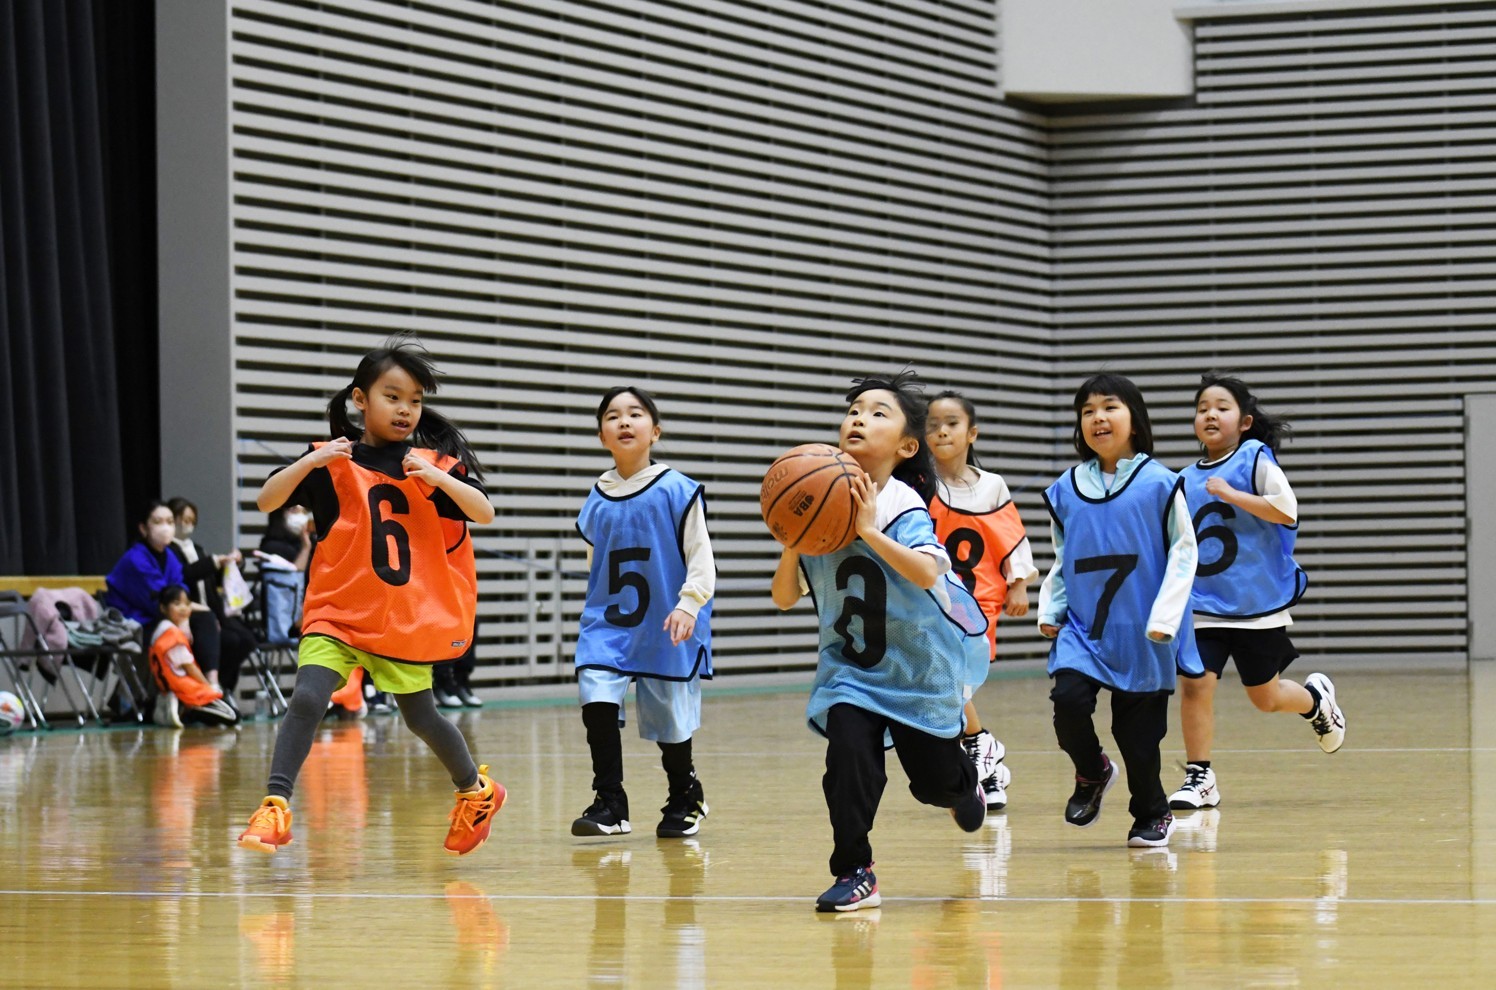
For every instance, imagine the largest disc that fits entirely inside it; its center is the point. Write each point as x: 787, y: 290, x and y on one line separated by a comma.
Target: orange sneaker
x: 351, y: 695
x: 269, y: 827
x: 473, y: 816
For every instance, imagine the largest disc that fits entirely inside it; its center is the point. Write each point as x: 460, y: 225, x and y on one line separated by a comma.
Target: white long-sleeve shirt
x: 701, y: 567
x: 984, y: 495
x: 1179, y: 572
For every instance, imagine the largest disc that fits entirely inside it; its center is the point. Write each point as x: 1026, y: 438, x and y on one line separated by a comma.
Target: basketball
x: 806, y: 499
x: 11, y: 713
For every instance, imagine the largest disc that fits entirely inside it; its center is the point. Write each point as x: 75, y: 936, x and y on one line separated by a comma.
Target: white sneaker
x: 167, y: 713
x: 987, y: 754
x: 1328, y: 721
x: 1199, y: 790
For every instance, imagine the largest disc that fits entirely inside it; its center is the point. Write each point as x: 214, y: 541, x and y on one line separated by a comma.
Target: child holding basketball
x: 977, y: 521
x: 900, y: 639
x: 1116, y: 603
x: 185, y: 691
x: 1246, y: 520
x: 647, y: 618
x: 392, y: 586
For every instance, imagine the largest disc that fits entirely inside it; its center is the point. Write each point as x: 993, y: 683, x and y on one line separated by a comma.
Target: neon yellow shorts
x: 389, y: 676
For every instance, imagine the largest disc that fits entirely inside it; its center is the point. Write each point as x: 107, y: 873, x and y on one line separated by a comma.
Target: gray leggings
x: 314, y: 688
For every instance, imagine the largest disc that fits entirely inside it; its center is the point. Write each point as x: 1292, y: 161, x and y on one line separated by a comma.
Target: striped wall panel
x: 1320, y: 219
x: 739, y: 207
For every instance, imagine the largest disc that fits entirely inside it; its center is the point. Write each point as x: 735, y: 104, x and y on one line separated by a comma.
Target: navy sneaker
x: 1151, y: 833
x: 683, y: 813
x: 853, y: 892
x: 1084, y: 806
x: 972, y: 811
x: 607, y: 815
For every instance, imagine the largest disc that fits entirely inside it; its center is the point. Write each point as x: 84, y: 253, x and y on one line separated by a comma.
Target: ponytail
x: 339, y: 425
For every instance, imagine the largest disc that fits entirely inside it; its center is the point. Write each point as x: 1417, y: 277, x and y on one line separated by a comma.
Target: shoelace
x: 277, y: 818
x: 1323, y: 719
x: 1194, y: 777
x: 467, y: 810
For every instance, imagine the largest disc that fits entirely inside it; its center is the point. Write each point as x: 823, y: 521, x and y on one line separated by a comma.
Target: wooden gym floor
x: 1372, y: 867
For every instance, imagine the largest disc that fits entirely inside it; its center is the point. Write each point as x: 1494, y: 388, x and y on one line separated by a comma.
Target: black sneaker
x: 683, y: 813
x: 853, y: 892
x: 607, y: 815
x: 972, y: 811
x: 1084, y: 806
x: 1151, y: 833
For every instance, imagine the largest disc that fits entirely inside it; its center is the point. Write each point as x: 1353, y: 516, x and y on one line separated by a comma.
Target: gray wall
x: 741, y: 208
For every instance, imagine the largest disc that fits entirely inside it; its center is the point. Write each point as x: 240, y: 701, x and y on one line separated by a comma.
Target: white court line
x: 745, y: 898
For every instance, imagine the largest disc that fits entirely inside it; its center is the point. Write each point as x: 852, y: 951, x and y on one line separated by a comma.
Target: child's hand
x: 680, y: 624
x: 340, y: 449
x: 1048, y: 631
x: 865, y: 494
x: 1016, y: 603
x: 1219, y: 488
x: 418, y: 467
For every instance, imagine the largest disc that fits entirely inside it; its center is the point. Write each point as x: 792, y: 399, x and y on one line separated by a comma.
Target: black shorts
x: 1260, y: 654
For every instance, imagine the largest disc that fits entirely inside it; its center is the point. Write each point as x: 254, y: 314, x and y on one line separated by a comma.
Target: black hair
x: 434, y: 431
x: 645, y: 399
x: 971, y: 419
x: 179, y: 505
x: 918, y: 472
x: 1271, y: 430
x: 1107, y: 383
x: 169, y: 594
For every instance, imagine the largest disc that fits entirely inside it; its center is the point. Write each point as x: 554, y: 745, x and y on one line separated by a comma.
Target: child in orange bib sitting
x: 186, y: 692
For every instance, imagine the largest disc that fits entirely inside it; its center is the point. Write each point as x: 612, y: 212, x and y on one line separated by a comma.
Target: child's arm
x: 279, y: 487
x: 472, y: 501
x: 192, y: 670
x: 701, y: 576
x: 1255, y: 504
x: 913, y: 565
x: 786, y: 587
x: 1179, y: 574
x: 1053, y: 603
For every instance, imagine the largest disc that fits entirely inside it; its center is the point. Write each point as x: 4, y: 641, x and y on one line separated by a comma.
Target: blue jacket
x: 138, y: 579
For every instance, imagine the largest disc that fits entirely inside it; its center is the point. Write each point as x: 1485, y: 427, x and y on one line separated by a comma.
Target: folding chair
x: 272, y: 654
x: 14, y: 608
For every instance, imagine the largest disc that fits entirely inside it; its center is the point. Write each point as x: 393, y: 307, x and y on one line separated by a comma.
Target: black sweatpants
x: 939, y: 773
x: 1139, y: 722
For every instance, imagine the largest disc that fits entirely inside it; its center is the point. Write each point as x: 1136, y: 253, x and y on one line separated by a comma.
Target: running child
x: 1116, y: 603
x: 185, y: 691
x: 1246, y: 520
x: 901, y: 641
x: 977, y: 521
x: 392, y: 586
x: 647, y: 619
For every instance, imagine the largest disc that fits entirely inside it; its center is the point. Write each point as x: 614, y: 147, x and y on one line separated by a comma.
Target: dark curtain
x: 78, y: 387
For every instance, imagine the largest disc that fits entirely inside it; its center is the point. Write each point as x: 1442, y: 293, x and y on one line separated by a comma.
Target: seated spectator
x: 137, y: 580
x: 284, y: 552
x: 221, y: 642
x: 186, y: 695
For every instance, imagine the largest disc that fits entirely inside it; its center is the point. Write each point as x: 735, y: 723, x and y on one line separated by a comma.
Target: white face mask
x: 184, y: 530
x: 160, y: 534
x: 296, y: 522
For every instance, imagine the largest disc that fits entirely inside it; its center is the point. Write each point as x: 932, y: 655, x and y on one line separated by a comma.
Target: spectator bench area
x: 102, y: 684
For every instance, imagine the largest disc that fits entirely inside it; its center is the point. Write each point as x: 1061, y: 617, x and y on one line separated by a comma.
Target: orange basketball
x: 806, y: 499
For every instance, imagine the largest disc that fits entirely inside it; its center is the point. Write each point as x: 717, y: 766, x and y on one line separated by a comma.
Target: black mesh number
x: 1122, y: 564
x: 1220, y: 531
x: 967, y: 549
x: 619, y: 579
x: 384, y: 530
x: 871, y: 608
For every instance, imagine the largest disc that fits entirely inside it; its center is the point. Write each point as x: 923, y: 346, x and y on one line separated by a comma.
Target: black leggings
x: 1139, y: 722
x: 314, y: 688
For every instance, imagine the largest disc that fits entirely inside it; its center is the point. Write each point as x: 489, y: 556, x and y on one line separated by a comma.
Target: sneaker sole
x: 1138, y: 842
x: 583, y: 827
x: 1110, y: 783
x: 1185, y: 804
x: 870, y: 901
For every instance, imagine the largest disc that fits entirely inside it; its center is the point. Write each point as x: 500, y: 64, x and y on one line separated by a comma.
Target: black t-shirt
x: 316, y: 490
